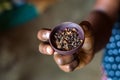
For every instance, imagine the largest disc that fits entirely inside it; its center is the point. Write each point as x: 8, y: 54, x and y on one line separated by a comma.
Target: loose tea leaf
x: 67, y: 39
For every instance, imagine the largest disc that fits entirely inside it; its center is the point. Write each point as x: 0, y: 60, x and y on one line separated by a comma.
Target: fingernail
x: 49, y: 50
x: 46, y: 35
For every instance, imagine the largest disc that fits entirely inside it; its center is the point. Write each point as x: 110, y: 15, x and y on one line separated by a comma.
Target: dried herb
x: 67, y: 39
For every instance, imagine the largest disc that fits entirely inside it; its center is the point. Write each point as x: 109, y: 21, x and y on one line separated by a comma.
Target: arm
x: 102, y: 20
x: 110, y: 7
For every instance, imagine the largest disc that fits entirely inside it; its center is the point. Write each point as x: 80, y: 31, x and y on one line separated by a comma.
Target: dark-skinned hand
x: 72, y: 62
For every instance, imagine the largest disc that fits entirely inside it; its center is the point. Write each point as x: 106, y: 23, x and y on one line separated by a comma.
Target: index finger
x: 43, y: 34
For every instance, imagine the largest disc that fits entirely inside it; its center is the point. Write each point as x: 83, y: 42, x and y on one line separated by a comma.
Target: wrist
x: 99, y: 20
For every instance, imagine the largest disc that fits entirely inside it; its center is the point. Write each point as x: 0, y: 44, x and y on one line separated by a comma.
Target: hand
x: 69, y: 63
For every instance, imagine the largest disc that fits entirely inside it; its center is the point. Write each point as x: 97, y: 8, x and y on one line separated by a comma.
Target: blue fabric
x: 17, y: 16
x: 111, y: 58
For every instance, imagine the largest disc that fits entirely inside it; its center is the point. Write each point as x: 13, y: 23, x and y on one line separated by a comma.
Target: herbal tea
x: 67, y: 39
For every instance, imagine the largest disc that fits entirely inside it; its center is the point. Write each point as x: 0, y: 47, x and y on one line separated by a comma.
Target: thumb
x: 87, y: 28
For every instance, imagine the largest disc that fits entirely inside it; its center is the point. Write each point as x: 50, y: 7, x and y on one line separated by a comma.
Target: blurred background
x: 19, y: 55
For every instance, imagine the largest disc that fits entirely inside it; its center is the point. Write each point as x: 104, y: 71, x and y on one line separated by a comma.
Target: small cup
x: 61, y: 27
